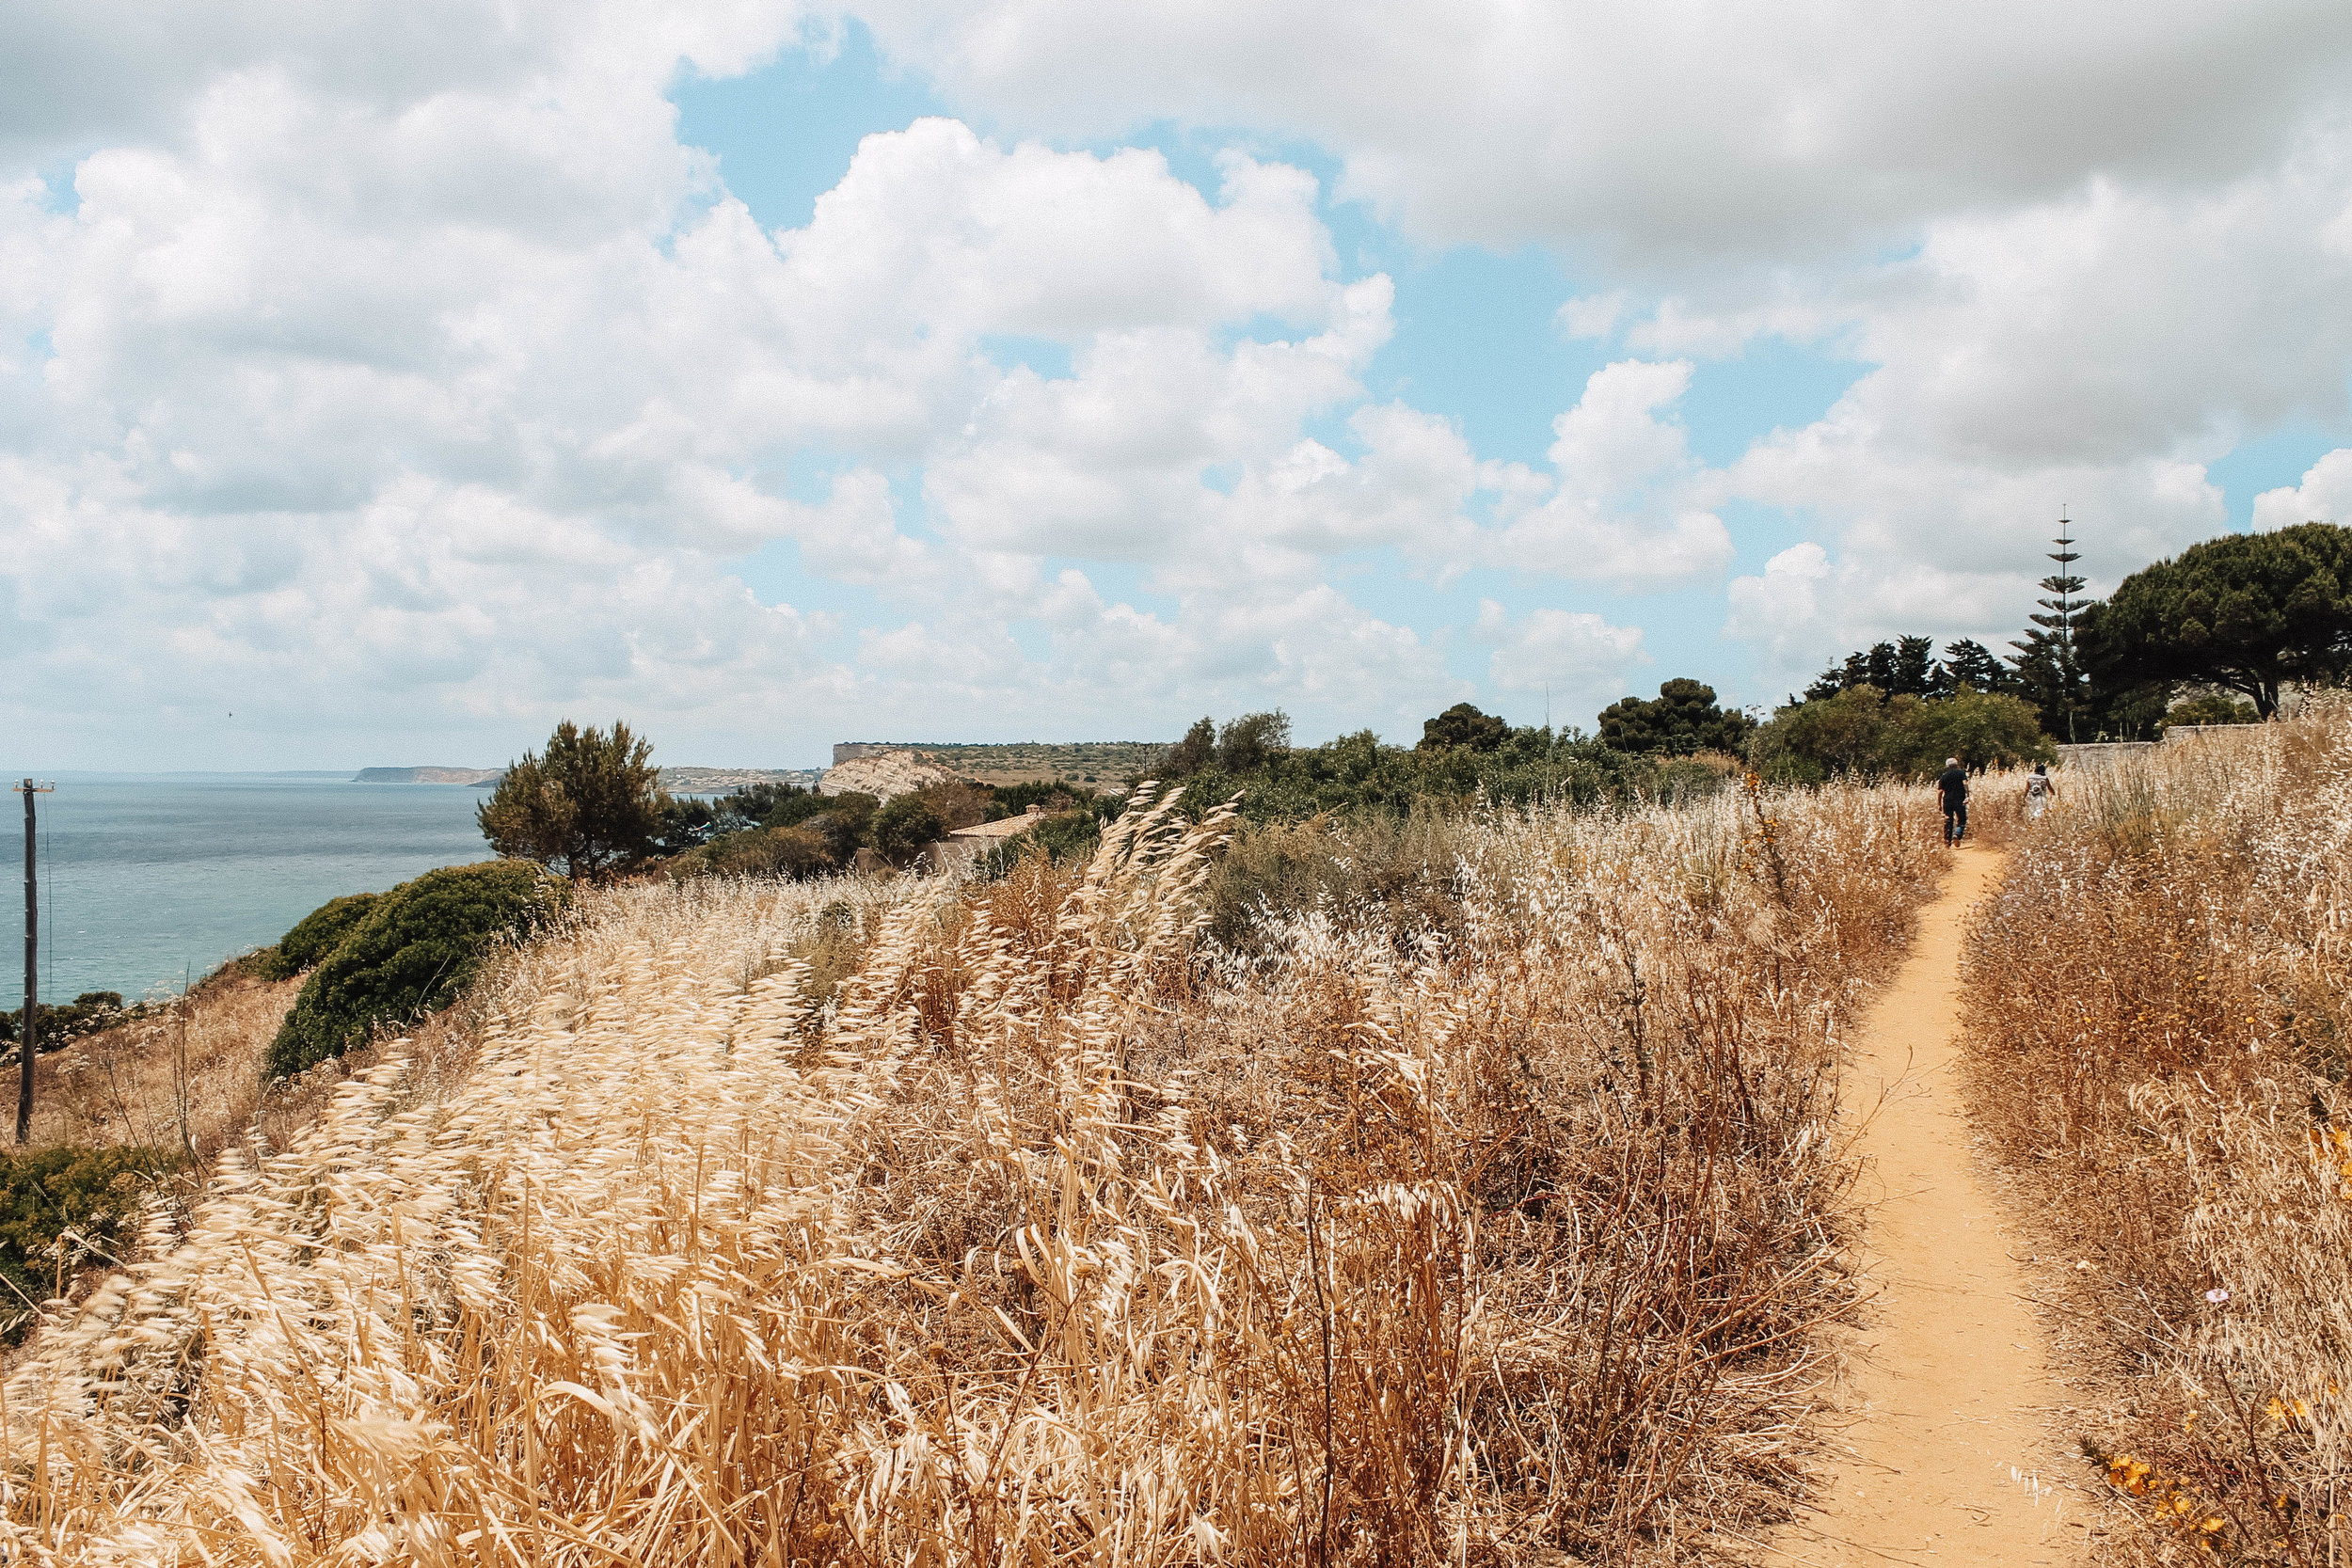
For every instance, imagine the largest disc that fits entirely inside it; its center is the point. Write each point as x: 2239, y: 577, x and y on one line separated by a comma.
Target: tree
x: 1862, y: 733
x: 1249, y: 743
x: 1463, y: 725
x: 1983, y: 729
x: 1196, y: 750
x: 845, y: 824
x: 591, y: 804
x: 1970, y: 663
x: 2213, y: 708
x: 1808, y: 742
x: 1905, y: 667
x: 1683, y: 718
x: 2248, y: 612
x: 903, y: 826
x: 2050, y: 671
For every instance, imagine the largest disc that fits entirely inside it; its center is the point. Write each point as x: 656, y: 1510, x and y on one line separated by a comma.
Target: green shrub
x: 1014, y: 799
x: 1067, y: 839
x: 793, y: 852
x: 94, y: 1193
x: 313, y: 937
x: 418, y: 947
x: 903, y: 827
x: 85, y: 1014
x: 1863, y: 732
x: 2213, y: 708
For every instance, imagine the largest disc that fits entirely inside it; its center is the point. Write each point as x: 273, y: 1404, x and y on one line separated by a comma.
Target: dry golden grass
x: 2159, y: 1025
x: 185, y: 1077
x: 1047, y: 1236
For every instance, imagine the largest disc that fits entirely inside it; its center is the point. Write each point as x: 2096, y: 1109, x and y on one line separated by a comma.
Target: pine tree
x: 1914, y: 667
x: 2049, y: 674
x: 1968, y: 662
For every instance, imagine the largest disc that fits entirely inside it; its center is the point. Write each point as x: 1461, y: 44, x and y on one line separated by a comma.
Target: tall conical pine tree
x: 2049, y: 674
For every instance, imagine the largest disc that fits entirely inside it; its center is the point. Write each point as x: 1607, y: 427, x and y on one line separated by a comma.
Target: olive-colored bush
x: 313, y: 937
x: 902, y: 828
x: 790, y: 852
x: 418, y: 947
x: 94, y: 1193
x: 1066, y: 838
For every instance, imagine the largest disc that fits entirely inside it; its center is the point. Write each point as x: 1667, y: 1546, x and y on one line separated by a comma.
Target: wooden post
x: 28, y: 1026
x: 28, y: 1033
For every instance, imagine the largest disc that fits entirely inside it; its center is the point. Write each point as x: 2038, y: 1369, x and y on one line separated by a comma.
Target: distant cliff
x: 429, y: 775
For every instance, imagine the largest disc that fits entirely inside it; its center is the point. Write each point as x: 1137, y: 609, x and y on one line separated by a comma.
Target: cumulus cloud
x: 1576, y: 656
x: 405, y: 366
x: 1666, y: 136
x: 469, y: 400
x: 1625, y: 507
x: 2324, y: 497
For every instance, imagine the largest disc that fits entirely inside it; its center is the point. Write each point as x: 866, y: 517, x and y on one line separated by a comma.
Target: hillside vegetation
x: 2161, y: 1026
x: 1014, y: 1223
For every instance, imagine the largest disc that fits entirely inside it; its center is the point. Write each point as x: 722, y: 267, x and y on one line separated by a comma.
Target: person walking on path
x: 2041, y: 789
x: 1953, y: 786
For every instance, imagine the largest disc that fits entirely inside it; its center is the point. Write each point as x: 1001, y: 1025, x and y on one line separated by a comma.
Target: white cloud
x: 1576, y: 657
x: 2324, y: 497
x: 1667, y: 133
x: 455, y: 399
x: 1782, y: 610
x: 1627, y: 506
x: 405, y: 366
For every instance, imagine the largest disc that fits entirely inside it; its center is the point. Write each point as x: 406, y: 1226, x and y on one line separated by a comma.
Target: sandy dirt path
x: 1948, y: 1370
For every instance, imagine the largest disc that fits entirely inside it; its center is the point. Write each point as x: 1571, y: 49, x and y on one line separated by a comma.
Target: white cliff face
x: 889, y: 774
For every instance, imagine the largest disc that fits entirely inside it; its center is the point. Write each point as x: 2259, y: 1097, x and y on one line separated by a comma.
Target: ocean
x: 148, y: 878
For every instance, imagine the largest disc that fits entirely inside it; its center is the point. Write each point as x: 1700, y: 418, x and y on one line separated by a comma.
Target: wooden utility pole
x: 29, y: 1031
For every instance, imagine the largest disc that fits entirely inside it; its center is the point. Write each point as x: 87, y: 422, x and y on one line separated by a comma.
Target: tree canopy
x: 591, y: 804
x: 1466, y: 726
x: 1907, y: 667
x: 1683, y: 718
x: 1863, y: 732
x: 2247, y: 613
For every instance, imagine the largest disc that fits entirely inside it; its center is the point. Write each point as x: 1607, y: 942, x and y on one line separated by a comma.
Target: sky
x: 381, y: 383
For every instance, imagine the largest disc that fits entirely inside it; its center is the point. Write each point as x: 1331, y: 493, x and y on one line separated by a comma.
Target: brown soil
x: 1949, y: 1376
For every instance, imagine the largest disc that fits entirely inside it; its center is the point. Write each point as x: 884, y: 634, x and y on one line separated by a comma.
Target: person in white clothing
x: 2041, y: 789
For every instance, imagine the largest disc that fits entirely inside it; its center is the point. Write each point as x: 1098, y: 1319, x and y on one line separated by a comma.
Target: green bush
x: 903, y: 827
x: 94, y: 1193
x: 1066, y: 839
x: 792, y: 852
x: 1863, y: 732
x: 1359, y: 773
x: 418, y: 947
x: 313, y: 937
x: 2213, y: 708
x: 85, y: 1014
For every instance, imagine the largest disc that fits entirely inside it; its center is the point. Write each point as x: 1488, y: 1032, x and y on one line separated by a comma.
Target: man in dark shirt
x: 1953, y: 786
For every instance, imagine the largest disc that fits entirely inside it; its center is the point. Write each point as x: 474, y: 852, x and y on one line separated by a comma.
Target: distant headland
x: 484, y: 776
x: 685, y: 781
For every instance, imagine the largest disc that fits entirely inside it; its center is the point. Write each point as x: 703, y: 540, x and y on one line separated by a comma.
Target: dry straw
x: 1038, y: 1233
x: 2158, y: 1028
